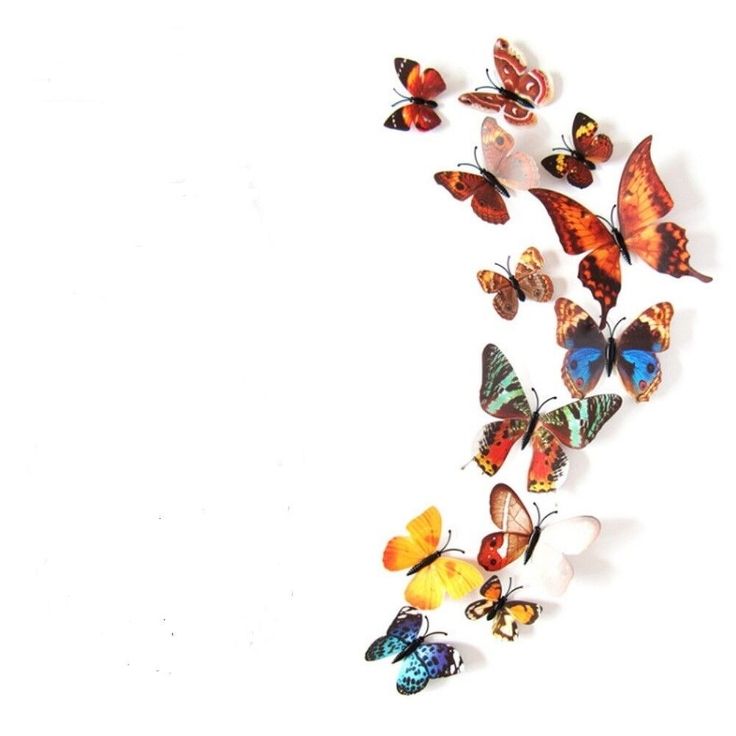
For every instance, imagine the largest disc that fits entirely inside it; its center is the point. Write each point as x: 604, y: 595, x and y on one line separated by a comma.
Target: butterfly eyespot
x: 499, y: 140
x: 574, y: 365
x: 650, y: 367
x: 642, y: 385
x: 578, y: 381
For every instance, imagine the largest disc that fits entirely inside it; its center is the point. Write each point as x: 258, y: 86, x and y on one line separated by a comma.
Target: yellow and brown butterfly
x: 495, y: 606
x: 526, y: 281
x: 434, y: 575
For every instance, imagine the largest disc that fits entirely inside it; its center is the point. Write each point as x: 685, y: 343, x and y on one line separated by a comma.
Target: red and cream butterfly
x: 502, y: 172
x: 434, y: 574
x: 521, y: 89
x: 422, y: 89
x: 495, y: 606
x: 590, y: 148
x: 544, y: 547
x: 526, y: 281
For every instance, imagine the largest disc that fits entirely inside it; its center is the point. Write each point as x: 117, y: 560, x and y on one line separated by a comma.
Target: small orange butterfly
x: 434, y: 574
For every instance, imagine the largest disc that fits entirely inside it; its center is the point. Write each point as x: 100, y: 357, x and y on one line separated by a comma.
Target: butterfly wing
x: 505, y: 623
x: 426, y: 86
x: 585, y: 359
x: 537, y: 286
x: 491, y: 592
x: 457, y: 577
x: 430, y: 660
x: 515, y: 170
x: 594, y: 146
x: 508, y: 513
x: 549, y: 565
x: 501, y: 394
x: 495, y: 442
x: 576, y: 424
x: 404, y: 629
x: 636, y: 361
x: 487, y: 203
x: 424, y: 536
x: 642, y: 200
x: 506, y: 302
x: 426, y: 589
x: 563, y: 164
x: 421, y: 116
x: 548, y: 466
x: 484, y: 101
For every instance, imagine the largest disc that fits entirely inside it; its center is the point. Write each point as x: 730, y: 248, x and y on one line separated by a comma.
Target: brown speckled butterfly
x: 526, y: 281
x: 642, y: 201
x: 503, y: 171
x: 495, y: 606
x: 590, y: 148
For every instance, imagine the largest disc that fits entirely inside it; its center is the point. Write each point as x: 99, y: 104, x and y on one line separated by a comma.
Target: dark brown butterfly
x: 422, y: 88
x: 591, y: 148
x: 526, y: 281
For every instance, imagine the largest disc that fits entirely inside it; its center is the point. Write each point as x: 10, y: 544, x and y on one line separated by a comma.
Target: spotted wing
x: 430, y: 660
x: 426, y: 86
x: 515, y: 170
x: 636, y: 360
x: 506, y: 302
x: 508, y: 512
x: 585, y: 359
x: 576, y: 424
x: 593, y: 146
x: 642, y: 200
x: 487, y: 203
x: 536, y: 285
x: 495, y: 441
x: 403, y: 630
x: 505, y: 623
x: 422, y: 117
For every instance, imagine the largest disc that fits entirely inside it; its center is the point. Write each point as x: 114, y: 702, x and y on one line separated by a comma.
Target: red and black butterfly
x: 591, y: 148
x: 521, y: 89
x: 422, y: 89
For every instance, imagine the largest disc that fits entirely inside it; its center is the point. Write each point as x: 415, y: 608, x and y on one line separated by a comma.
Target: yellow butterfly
x: 434, y: 575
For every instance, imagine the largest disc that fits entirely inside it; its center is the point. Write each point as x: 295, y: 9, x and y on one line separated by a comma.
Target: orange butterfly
x: 642, y: 201
x: 434, y: 574
x: 526, y: 281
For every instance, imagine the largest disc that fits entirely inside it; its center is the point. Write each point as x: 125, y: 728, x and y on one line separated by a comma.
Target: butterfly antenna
x: 492, y: 84
x: 512, y: 590
x: 536, y: 398
x: 603, y: 219
x: 546, y: 401
x: 432, y: 633
x: 450, y: 549
x: 564, y: 143
x: 404, y: 98
x: 508, y: 265
x: 611, y: 330
x: 505, y: 268
x: 546, y: 516
x: 613, y: 209
x: 469, y: 461
x: 476, y: 165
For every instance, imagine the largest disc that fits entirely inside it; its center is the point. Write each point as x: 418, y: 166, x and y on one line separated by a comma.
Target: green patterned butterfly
x: 573, y: 425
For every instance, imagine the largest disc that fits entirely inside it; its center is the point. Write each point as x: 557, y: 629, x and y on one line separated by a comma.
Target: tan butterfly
x: 526, y: 281
x: 496, y: 607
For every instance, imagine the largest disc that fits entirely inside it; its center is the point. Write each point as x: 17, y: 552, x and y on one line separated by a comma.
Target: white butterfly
x: 544, y: 548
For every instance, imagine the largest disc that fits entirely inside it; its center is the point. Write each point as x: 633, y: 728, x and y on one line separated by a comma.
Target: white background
x: 241, y: 337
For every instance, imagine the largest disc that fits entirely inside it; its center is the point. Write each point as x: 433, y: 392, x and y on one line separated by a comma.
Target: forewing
x: 441, y: 660
x: 484, y: 101
x: 548, y: 466
x: 501, y: 394
x: 496, y: 144
x: 562, y: 164
x: 402, y: 631
x: 460, y: 184
x: 600, y: 273
x: 431, y: 85
x: 580, y: 336
x: 505, y: 626
x: 458, y: 577
x: 402, y: 118
x: 557, y: 164
x: 424, y: 535
x: 664, y: 247
x: 577, y: 227
x: 524, y: 612
x: 533, y: 84
x: 576, y: 424
x: 596, y: 148
x: 500, y: 549
x: 508, y: 512
x: 491, y: 589
x: 384, y: 646
x: 537, y: 286
x: 491, y: 282
x: 642, y: 197
x: 495, y: 441
x: 409, y: 74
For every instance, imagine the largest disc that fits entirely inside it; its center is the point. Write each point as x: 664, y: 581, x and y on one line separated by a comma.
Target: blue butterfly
x: 420, y: 661
x: 589, y: 351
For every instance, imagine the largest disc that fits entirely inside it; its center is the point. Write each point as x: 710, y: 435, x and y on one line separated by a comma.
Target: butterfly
x: 520, y: 91
x: 545, y: 547
x: 435, y: 574
x: 495, y: 606
x: 526, y: 281
x: 422, y: 88
x: 421, y: 661
x: 503, y: 171
x: 589, y: 351
x: 642, y: 200
x: 573, y: 425
x: 590, y: 149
